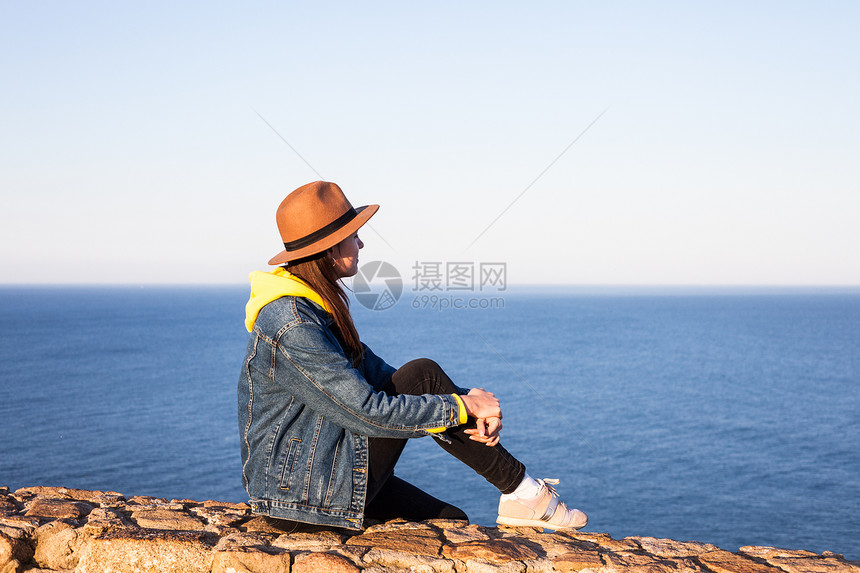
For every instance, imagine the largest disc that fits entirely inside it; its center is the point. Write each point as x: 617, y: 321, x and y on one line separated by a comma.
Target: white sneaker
x: 544, y: 510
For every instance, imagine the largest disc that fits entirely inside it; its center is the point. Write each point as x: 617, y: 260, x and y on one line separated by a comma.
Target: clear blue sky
x: 728, y: 153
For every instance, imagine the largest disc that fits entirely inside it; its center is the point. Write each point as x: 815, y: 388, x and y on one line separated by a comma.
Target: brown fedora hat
x: 316, y: 217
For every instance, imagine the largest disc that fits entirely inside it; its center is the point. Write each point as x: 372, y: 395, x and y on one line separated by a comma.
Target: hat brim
x: 363, y: 214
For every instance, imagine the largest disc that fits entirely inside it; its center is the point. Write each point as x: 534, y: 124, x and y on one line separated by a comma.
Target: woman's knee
x: 422, y: 376
x: 424, y: 365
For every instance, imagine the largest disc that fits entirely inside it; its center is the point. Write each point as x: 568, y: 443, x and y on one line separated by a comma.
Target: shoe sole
x: 518, y: 522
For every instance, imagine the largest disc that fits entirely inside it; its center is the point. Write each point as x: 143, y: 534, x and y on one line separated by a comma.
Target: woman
x: 323, y: 420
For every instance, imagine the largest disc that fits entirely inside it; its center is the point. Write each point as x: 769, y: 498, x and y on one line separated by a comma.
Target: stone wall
x: 57, y: 529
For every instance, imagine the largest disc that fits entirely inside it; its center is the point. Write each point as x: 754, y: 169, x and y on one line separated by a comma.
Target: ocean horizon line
x: 514, y: 289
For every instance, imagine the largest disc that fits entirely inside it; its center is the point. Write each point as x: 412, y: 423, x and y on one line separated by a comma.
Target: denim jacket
x: 305, y: 415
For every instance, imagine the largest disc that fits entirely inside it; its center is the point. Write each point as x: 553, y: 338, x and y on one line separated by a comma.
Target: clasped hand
x: 486, y: 409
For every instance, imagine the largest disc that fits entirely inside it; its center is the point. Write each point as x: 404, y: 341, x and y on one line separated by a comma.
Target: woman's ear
x: 331, y: 255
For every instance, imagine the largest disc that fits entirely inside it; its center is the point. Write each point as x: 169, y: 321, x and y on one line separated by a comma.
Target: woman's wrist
x: 481, y: 404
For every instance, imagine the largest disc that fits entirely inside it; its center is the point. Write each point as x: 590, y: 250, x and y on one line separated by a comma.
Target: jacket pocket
x: 289, y: 463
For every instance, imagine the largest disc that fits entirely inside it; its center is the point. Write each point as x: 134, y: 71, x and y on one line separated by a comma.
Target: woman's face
x: 345, y: 256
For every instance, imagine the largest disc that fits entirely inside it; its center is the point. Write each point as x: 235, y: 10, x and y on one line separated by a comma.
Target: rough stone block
x: 577, y: 561
x: 800, y: 561
x: 644, y: 563
x: 495, y: 550
x: 101, y: 520
x: 816, y: 565
x: 52, y: 508
x: 19, y: 523
x: 300, y: 541
x: 725, y: 562
x: 418, y: 542
x: 92, y: 497
x: 408, y: 561
x: 765, y: 552
x: 261, y: 524
x: 481, y: 566
x: 319, y: 562
x: 146, y: 551
x: 250, y: 560
x: 602, y: 540
x: 671, y: 548
x: 239, y: 507
x: 466, y: 533
x: 220, y: 516
x: 58, y: 545
x: 8, y: 505
x: 159, y: 518
x: 544, y: 544
x: 238, y: 539
x: 396, y: 525
x: 14, y: 551
x: 148, y: 501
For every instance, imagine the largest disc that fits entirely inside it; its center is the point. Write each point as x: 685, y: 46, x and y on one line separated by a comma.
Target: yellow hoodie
x: 266, y: 287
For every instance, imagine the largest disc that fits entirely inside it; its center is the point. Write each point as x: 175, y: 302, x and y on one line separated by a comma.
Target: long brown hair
x: 318, y: 271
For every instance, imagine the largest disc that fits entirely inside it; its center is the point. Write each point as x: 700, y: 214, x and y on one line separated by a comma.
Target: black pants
x: 389, y: 496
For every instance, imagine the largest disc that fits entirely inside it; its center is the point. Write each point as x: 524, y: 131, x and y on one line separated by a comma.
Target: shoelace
x: 547, y: 481
x: 568, y: 513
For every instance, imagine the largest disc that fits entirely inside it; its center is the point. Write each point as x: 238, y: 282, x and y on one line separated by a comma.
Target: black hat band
x: 322, y: 233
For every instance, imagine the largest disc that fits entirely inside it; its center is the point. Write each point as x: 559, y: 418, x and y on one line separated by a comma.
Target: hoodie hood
x: 266, y: 287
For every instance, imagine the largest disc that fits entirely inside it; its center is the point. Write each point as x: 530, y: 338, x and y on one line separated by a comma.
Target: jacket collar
x: 266, y: 287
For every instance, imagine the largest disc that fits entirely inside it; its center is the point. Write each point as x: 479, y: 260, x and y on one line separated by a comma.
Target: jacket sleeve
x: 312, y: 367
x: 375, y: 370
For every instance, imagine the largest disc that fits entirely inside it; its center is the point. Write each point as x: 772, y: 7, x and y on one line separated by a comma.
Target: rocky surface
x: 46, y: 529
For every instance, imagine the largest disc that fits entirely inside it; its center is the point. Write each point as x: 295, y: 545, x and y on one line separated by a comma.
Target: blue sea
x: 729, y: 416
